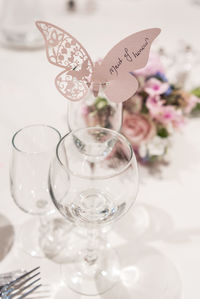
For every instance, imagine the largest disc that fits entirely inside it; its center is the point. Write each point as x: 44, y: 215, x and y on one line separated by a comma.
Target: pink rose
x: 137, y: 128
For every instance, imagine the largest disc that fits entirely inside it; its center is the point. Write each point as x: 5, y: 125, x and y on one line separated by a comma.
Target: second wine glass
x: 92, y: 195
x: 32, y: 150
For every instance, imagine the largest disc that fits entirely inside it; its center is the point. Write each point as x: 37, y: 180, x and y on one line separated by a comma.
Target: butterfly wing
x: 65, y: 51
x: 117, y: 68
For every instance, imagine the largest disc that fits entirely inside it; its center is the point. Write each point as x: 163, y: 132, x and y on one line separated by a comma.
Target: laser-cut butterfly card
x: 79, y: 73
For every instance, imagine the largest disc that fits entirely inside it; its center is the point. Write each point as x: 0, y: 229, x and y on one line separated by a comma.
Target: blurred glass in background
x: 17, y: 19
x: 182, y: 66
x: 81, y: 6
x: 17, y: 23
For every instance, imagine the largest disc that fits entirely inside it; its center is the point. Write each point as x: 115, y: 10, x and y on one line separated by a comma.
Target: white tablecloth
x: 168, y: 250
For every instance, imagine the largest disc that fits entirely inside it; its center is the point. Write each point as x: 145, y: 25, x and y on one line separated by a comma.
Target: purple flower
x: 161, y: 76
x: 168, y: 92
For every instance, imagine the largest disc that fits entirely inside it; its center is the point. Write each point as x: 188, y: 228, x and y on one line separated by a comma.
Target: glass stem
x: 91, y: 250
x: 42, y: 224
x: 41, y: 220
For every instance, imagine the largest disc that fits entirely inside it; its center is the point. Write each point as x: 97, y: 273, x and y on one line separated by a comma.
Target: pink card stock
x: 115, y: 72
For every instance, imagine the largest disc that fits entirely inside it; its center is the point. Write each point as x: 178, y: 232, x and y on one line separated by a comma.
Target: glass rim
x: 31, y: 126
x: 132, y: 154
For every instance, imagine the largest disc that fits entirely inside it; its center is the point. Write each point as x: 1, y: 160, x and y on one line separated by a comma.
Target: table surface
x: 167, y: 249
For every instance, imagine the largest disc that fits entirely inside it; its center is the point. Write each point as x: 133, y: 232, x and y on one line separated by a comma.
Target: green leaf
x: 162, y: 132
x: 196, y: 109
x: 144, y: 110
x: 196, y: 92
x: 100, y: 103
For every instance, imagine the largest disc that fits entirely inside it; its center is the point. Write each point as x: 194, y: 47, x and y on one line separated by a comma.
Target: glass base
x: 28, y: 238
x: 55, y: 240
x: 94, y: 277
x: 43, y: 238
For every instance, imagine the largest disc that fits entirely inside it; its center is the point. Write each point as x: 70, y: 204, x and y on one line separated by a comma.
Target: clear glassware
x: 93, y: 195
x: 17, y: 24
x: 94, y: 111
x: 32, y: 150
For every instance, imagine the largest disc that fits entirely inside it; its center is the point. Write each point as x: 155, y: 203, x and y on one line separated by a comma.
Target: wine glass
x: 32, y: 150
x: 93, y: 197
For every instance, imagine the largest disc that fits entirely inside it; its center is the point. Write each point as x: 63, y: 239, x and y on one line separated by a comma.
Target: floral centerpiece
x: 155, y: 112
x: 152, y: 115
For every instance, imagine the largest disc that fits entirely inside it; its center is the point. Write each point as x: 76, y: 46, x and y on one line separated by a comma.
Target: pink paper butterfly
x: 79, y: 73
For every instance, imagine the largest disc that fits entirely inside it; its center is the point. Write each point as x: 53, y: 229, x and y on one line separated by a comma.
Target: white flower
x: 143, y: 150
x: 155, y: 147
